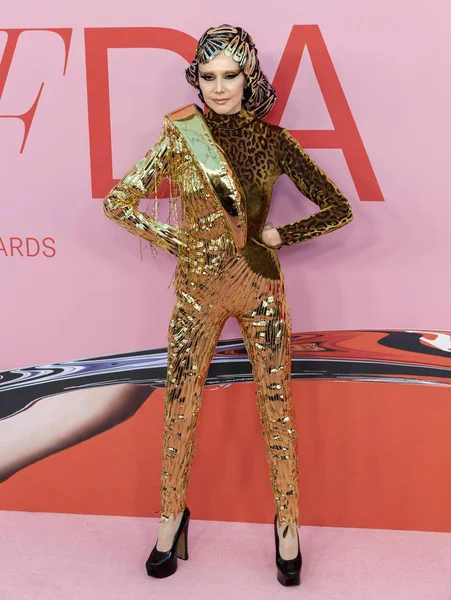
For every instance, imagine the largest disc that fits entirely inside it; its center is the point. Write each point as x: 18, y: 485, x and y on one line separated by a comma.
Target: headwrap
x: 259, y: 95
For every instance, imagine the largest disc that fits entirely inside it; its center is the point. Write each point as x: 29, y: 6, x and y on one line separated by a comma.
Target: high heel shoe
x: 288, y: 571
x: 163, y: 564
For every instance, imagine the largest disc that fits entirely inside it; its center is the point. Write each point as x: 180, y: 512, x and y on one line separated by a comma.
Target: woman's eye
x: 211, y: 78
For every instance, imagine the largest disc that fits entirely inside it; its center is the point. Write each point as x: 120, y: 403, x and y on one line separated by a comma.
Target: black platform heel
x: 288, y: 571
x: 163, y: 564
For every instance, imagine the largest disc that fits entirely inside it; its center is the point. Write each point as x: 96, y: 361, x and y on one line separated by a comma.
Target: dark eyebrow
x: 226, y: 73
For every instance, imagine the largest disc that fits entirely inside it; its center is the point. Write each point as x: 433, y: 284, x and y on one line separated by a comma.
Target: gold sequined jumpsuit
x: 215, y: 280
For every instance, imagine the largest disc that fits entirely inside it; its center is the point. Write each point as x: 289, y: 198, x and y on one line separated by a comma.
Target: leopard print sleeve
x: 335, y: 211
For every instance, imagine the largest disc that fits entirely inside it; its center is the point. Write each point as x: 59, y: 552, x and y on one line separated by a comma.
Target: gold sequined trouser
x: 202, y: 307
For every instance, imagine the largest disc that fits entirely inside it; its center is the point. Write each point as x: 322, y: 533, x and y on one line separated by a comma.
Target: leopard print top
x: 259, y: 153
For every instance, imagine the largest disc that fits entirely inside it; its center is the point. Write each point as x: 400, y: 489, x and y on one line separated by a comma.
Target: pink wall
x: 388, y: 269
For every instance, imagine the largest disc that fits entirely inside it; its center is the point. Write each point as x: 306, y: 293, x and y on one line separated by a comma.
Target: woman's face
x: 221, y: 82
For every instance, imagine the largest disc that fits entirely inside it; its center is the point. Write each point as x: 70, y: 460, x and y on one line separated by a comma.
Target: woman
x: 225, y: 164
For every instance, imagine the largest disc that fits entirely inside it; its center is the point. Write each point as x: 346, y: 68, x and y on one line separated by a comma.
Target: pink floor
x: 68, y: 557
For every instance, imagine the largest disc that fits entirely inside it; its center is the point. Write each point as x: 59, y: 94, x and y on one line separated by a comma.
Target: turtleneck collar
x: 234, y: 121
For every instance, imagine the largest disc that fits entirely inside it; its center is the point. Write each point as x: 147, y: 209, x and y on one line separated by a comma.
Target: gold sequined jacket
x: 258, y: 153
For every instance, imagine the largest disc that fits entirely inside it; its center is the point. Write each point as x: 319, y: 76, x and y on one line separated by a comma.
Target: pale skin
x: 222, y: 82
x: 64, y: 420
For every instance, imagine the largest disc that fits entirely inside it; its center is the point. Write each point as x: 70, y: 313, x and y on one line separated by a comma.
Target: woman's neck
x: 229, y: 121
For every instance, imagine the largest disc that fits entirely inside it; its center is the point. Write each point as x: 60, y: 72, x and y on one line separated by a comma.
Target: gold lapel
x: 191, y: 124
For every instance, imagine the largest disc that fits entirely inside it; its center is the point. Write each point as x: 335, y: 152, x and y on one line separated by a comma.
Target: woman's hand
x: 271, y: 237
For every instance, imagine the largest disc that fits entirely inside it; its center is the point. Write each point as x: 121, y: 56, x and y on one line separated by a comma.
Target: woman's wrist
x: 271, y: 237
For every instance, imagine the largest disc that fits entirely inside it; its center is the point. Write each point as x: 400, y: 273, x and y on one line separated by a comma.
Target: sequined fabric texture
x: 216, y: 278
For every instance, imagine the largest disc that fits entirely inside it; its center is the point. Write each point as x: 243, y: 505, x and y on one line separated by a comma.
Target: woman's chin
x: 223, y: 108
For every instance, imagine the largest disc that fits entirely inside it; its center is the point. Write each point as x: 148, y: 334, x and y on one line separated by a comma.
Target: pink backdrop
x: 389, y: 269
x: 364, y: 87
